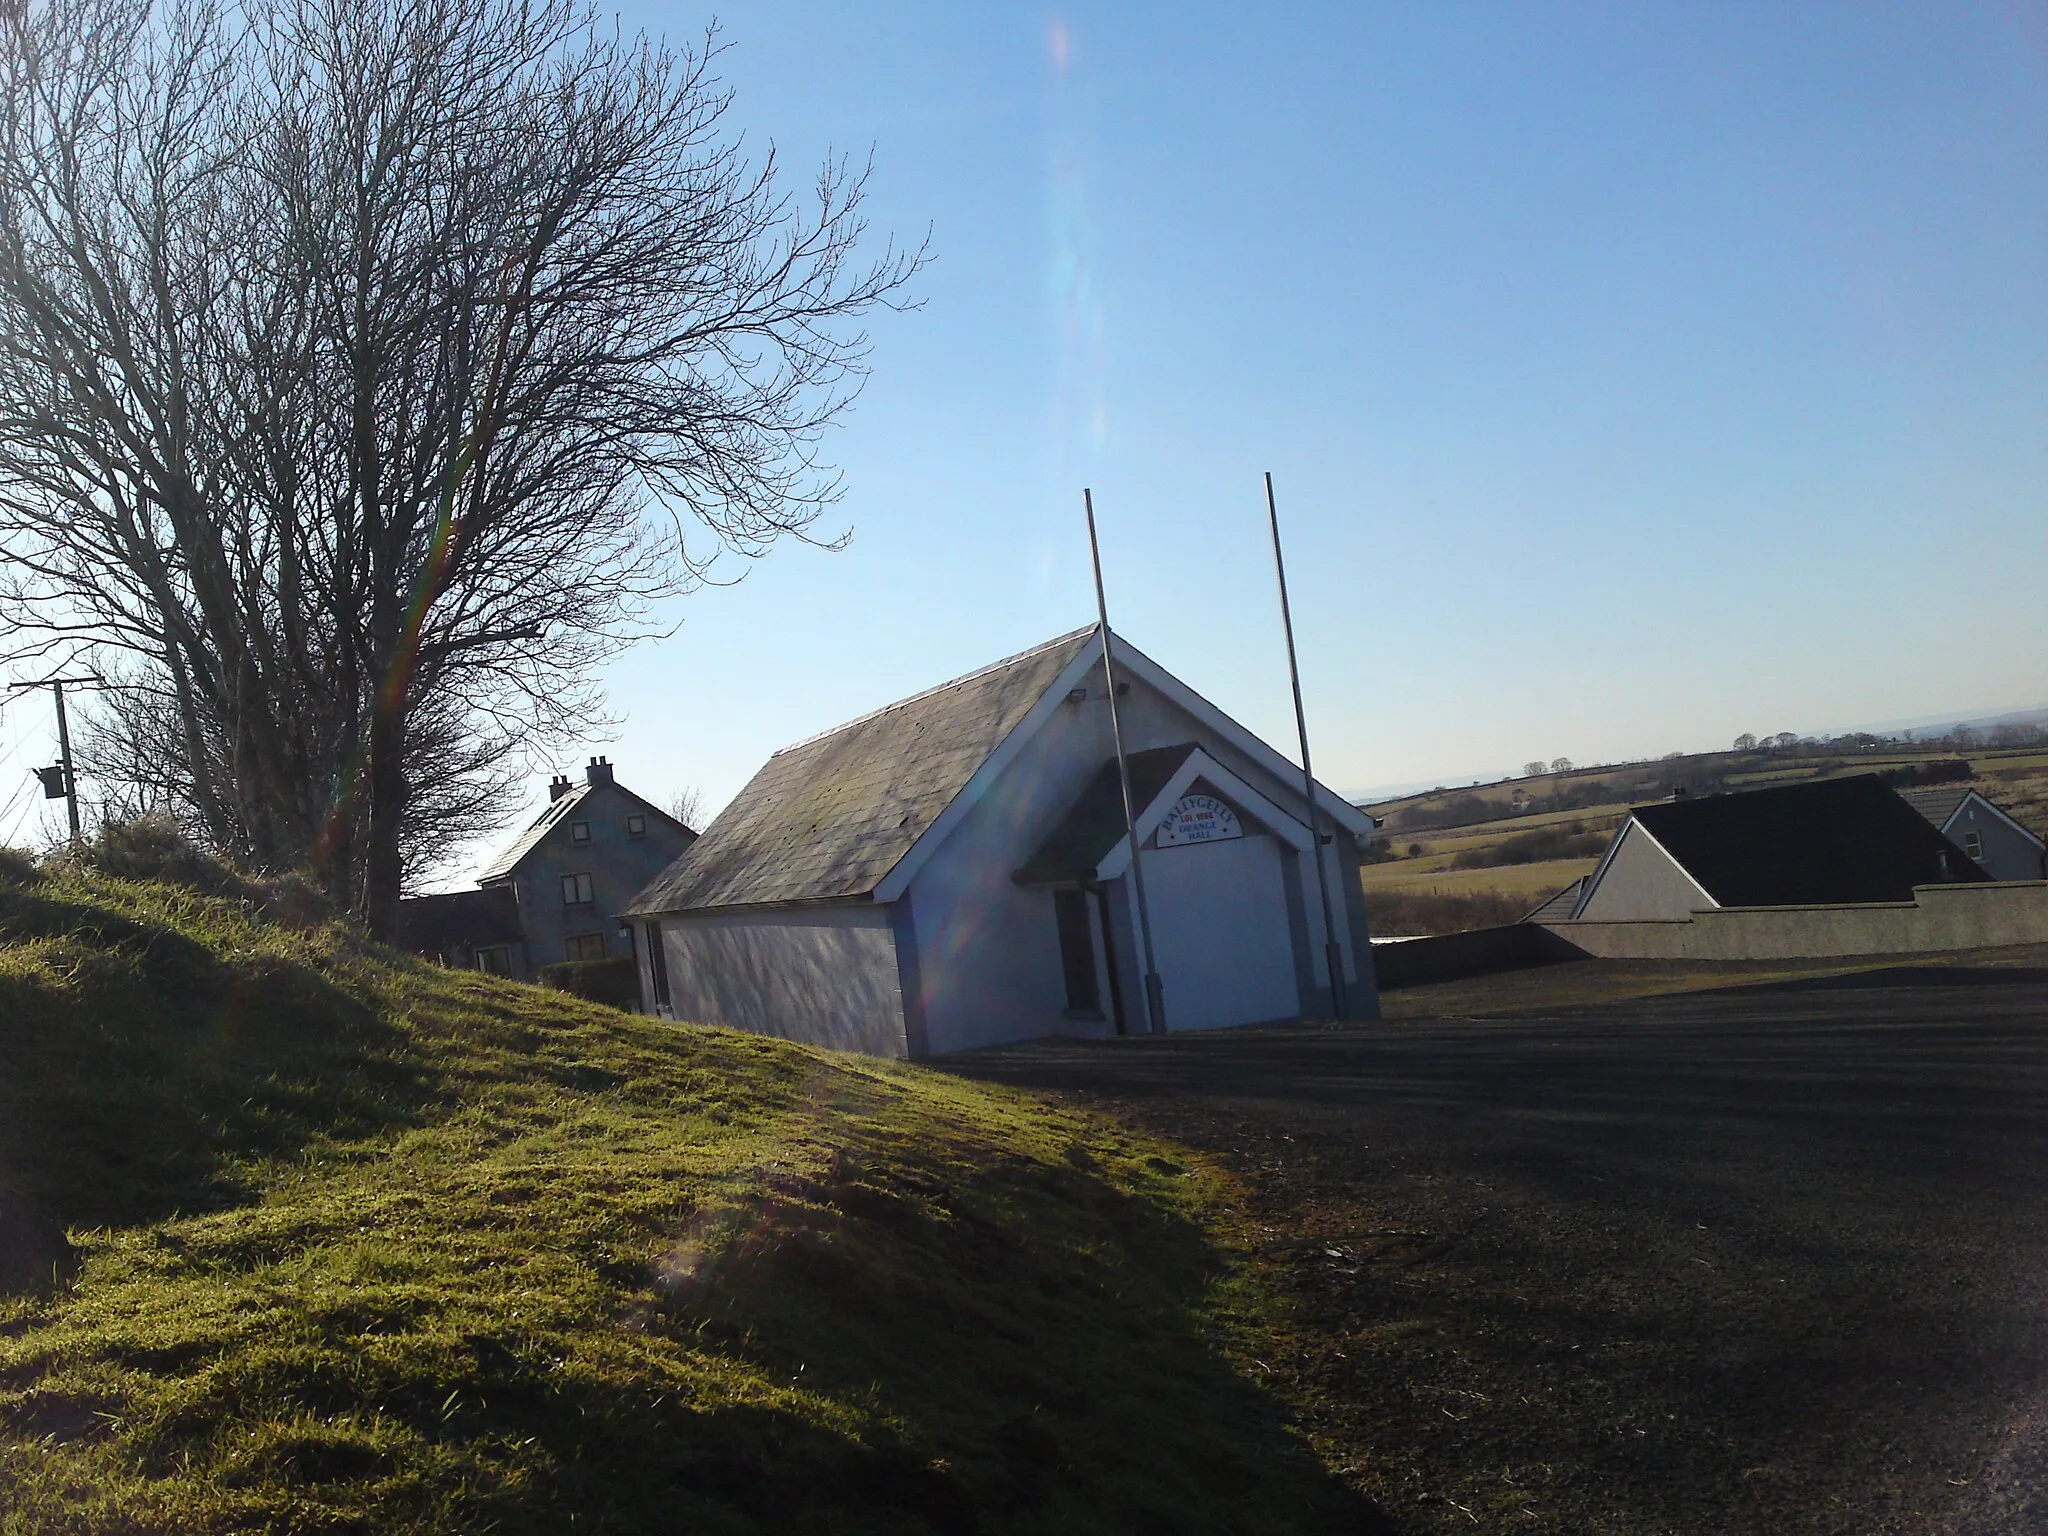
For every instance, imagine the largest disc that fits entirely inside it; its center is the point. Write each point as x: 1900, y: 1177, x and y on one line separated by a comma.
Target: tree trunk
x: 389, y: 794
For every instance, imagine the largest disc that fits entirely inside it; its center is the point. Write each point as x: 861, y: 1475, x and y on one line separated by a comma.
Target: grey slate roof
x: 1561, y: 906
x: 1937, y: 802
x: 556, y: 812
x: 828, y: 818
x: 544, y: 823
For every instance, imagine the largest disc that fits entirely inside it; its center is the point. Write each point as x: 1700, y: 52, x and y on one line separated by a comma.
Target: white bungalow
x: 953, y: 871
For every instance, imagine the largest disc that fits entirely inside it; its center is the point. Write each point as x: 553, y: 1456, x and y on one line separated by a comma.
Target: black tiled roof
x: 1834, y: 840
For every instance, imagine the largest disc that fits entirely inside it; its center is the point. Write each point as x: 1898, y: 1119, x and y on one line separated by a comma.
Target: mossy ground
x: 371, y: 1245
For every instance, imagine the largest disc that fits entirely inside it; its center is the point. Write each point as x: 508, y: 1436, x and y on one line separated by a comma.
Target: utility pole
x: 62, y: 781
x: 64, y: 756
x: 1155, y: 989
x: 1333, y: 956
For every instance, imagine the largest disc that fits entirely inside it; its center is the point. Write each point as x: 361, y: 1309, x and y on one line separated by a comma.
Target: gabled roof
x: 1096, y: 822
x: 1937, y: 802
x: 539, y: 828
x: 554, y: 815
x: 1820, y: 843
x: 1561, y: 906
x: 830, y: 817
x: 433, y: 925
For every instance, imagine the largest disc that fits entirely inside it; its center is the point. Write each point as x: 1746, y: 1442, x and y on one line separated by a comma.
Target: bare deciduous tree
x: 687, y: 806
x: 364, y: 365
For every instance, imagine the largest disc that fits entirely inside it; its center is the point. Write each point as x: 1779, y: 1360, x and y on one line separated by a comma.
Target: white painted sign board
x: 1198, y: 819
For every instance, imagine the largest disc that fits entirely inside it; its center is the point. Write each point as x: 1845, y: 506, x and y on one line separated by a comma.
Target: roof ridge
x: 919, y: 698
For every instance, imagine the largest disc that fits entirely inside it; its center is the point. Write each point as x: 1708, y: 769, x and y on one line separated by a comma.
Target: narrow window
x: 586, y: 946
x: 1077, y: 952
x: 579, y: 831
x: 636, y: 826
x: 1973, y: 844
x: 576, y: 891
x: 657, y: 965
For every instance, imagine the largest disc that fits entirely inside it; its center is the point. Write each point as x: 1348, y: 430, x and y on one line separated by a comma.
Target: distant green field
x: 2017, y: 780
x: 1535, y: 881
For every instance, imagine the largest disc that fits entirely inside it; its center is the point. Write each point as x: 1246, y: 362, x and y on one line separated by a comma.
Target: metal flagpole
x: 1332, y: 955
x: 1155, y: 990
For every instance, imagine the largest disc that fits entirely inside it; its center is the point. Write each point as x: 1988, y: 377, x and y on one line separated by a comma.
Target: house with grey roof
x: 557, y: 892
x: 1999, y: 845
x: 954, y: 871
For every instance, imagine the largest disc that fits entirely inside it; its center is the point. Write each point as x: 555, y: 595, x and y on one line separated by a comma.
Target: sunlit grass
x: 371, y: 1245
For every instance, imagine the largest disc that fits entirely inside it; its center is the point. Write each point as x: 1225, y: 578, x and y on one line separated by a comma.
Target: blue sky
x: 1632, y: 376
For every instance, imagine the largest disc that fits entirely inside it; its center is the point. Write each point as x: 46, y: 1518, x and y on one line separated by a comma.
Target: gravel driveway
x: 1764, y: 1259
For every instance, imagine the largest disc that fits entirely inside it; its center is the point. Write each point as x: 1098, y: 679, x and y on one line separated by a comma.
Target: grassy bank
x: 364, y: 1244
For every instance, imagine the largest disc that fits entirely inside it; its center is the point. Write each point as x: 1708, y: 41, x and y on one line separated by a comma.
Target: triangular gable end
x: 1077, y: 672
x: 1201, y: 767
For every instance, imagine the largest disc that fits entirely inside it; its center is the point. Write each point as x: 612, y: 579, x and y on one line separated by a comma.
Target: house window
x: 657, y: 965
x: 586, y: 946
x: 579, y: 831
x: 636, y: 826
x: 1077, y: 952
x: 496, y: 960
x: 1973, y: 844
x: 576, y: 891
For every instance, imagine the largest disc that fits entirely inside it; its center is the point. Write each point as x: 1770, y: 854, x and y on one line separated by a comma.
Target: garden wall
x: 1940, y: 917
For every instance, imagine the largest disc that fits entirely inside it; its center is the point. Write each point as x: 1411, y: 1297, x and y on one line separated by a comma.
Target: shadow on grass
x: 1052, y: 1326
x: 141, y: 1066
x: 1020, y: 1346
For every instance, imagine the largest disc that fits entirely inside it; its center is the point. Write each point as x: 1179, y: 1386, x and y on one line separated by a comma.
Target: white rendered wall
x: 1219, y: 915
x: 2006, y: 854
x: 988, y: 954
x: 1642, y: 881
x: 1151, y: 720
x: 826, y: 975
x: 987, y: 949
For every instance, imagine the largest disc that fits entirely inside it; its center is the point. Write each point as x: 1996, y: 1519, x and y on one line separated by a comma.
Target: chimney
x: 558, y: 786
x: 599, y: 771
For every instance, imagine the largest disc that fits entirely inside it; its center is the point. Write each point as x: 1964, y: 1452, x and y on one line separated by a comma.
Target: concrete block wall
x: 1940, y: 917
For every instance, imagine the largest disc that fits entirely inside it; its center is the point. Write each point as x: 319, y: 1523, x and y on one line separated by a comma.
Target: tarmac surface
x: 1760, y: 1259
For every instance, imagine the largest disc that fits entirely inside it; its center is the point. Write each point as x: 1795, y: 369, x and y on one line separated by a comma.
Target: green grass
x: 368, y: 1245
x: 1421, y: 876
